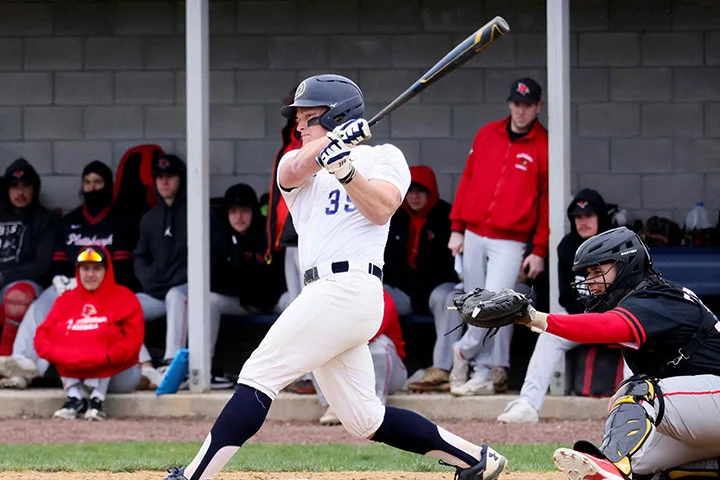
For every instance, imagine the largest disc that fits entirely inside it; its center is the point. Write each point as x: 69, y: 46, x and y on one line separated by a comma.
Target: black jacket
x: 569, y: 245
x: 27, y: 235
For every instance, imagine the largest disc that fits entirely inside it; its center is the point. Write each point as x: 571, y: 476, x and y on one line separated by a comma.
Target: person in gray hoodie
x: 161, y: 254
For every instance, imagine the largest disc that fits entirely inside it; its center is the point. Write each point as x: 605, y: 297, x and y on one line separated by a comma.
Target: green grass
x: 121, y: 457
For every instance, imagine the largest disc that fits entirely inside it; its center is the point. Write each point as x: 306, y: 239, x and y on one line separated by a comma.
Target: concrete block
x: 671, y: 190
x: 421, y: 121
x: 219, y: 183
x: 590, y: 155
x: 696, y: 84
x: 589, y: 15
x: 261, y: 16
x: 356, y: 51
x: 468, y: 119
x: 383, y: 85
x: 498, y: 81
x: 640, y: 15
x: 11, y: 54
x: 115, y: 122
x: 697, y: 155
x: 712, y: 48
x: 144, y: 18
x: 452, y: 17
x: 263, y: 86
x: 25, y: 88
x: 463, y: 86
x: 379, y: 16
x: 447, y: 186
x: 522, y: 15
x: 695, y: 15
x: 672, y: 120
x: 712, y: 119
x: 380, y: 131
x: 444, y: 155
x: 328, y: 16
x: 296, y: 52
x: 165, y: 122
x: 56, y: 53
x: 274, y: 122
x: 409, y: 148
x: 255, y: 156
x: 222, y: 156
x: 640, y: 84
x: 589, y: 85
x: 500, y: 54
x: 621, y: 189
x: 222, y: 87
x: 239, y: 52
x: 69, y: 158
x: 164, y: 53
x: 237, y: 122
x: 671, y: 49
x: 53, y: 123
x: 113, y: 53
x: 83, y: 88
x: 144, y: 88
x: 711, y: 190
x: 61, y: 191
x: 608, y: 120
x: 609, y: 50
x: 25, y: 18
x: 530, y: 49
x: 10, y: 123
x: 640, y: 155
x: 222, y: 17
x: 39, y: 154
x: 421, y: 51
x: 82, y: 18
x: 122, y: 146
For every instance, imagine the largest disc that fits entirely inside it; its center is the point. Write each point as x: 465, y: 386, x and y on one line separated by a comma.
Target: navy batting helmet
x: 342, y: 97
x: 621, y: 247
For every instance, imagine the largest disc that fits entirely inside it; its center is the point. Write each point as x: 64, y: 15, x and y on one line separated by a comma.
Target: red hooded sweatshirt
x: 391, y: 326
x: 93, y: 334
x: 424, y: 176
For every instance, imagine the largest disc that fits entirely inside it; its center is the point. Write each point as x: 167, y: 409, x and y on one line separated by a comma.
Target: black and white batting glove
x: 335, y: 158
x: 353, y: 132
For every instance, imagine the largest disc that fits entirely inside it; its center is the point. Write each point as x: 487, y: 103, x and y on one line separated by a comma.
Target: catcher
x: 664, y: 422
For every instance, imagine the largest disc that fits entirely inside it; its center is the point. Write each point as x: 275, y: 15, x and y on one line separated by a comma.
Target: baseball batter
x: 341, y: 196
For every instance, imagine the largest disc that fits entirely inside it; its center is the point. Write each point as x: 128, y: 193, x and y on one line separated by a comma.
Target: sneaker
x: 150, y: 378
x: 329, y: 418
x: 71, y: 409
x: 220, y: 382
x: 500, y: 379
x: 460, y: 369
x: 18, y: 366
x: 435, y: 380
x: 582, y: 466
x: 301, y: 387
x: 477, y: 385
x: 518, y: 411
x: 176, y: 473
x: 95, y: 411
x: 490, y: 467
x: 19, y: 383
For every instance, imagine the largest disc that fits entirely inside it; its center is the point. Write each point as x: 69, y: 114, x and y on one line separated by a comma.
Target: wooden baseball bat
x: 468, y: 48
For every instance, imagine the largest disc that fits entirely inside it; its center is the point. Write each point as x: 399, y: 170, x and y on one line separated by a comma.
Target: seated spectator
x: 93, y: 335
x: 27, y: 235
x: 387, y: 349
x: 588, y: 217
x: 419, y: 271
x: 161, y: 259
x: 95, y: 222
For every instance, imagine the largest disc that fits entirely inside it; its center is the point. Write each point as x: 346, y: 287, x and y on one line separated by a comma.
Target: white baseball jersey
x: 329, y: 226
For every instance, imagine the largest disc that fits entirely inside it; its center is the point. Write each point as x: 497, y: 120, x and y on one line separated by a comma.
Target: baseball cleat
x: 490, y: 467
x: 176, y: 473
x: 581, y: 466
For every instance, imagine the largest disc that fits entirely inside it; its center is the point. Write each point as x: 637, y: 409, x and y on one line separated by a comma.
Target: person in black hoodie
x: 588, y: 216
x: 161, y: 254
x: 419, y: 272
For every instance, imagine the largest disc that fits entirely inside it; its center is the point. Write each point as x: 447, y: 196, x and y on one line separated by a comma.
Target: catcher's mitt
x: 487, y: 309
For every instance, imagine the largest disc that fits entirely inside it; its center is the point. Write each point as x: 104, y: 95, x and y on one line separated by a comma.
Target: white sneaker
x: 460, y: 369
x: 518, y: 411
x: 477, y: 385
x: 329, y: 418
x: 151, y: 377
x: 19, y: 383
x: 18, y: 366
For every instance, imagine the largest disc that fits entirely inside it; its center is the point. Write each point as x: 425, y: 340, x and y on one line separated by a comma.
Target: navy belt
x: 312, y: 274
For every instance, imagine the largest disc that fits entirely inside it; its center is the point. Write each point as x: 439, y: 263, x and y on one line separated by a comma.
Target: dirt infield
x: 271, y: 476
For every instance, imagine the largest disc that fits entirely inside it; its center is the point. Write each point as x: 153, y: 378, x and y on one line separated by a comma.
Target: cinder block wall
x: 86, y: 80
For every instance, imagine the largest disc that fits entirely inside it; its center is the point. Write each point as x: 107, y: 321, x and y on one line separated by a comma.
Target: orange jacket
x: 503, y: 191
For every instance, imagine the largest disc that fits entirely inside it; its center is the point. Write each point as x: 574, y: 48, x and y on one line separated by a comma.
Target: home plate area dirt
x: 272, y: 476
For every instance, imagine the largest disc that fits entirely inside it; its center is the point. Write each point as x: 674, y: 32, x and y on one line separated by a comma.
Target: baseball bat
x: 468, y: 48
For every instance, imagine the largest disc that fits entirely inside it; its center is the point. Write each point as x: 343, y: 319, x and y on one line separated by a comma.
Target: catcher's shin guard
x: 635, y: 409
x: 16, y: 301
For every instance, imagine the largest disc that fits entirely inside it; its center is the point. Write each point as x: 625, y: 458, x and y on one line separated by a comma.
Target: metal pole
x: 198, y: 207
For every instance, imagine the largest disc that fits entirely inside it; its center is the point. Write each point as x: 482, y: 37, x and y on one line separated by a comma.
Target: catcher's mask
x: 620, y: 248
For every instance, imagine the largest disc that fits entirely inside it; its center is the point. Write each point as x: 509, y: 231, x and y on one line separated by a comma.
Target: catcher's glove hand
x: 487, y: 309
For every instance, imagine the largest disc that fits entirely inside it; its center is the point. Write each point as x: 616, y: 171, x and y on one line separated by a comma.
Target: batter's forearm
x: 376, y: 200
x: 302, y: 166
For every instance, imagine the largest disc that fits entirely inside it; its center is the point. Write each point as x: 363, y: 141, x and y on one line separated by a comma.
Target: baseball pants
x: 326, y: 330
x: 123, y: 382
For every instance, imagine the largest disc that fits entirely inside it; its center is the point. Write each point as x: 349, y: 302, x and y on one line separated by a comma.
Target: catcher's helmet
x: 621, y: 247
x: 342, y: 97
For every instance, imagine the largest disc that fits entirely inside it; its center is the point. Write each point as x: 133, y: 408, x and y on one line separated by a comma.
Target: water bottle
x: 697, y: 218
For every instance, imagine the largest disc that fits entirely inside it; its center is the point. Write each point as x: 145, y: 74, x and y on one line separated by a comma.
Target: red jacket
x: 391, y: 326
x: 503, y: 191
x: 92, y: 334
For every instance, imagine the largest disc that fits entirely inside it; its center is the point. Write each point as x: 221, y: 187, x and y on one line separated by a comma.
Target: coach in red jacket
x: 93, y: 335
x: 500, y: 206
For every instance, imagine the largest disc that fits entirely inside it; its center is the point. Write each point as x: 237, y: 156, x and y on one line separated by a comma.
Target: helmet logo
x: 300, y: 90
x: 628, y: 252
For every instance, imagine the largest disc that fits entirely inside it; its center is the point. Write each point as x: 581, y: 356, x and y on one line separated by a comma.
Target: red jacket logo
x: 89, y: 310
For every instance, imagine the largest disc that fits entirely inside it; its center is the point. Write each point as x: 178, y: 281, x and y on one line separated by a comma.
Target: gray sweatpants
x: 174, y: 308
x: 549, y: 349
x: 123, y: 382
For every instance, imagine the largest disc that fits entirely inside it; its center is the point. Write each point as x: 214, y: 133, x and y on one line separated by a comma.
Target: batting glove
x: 335, y: 158
x: 353, y: 132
